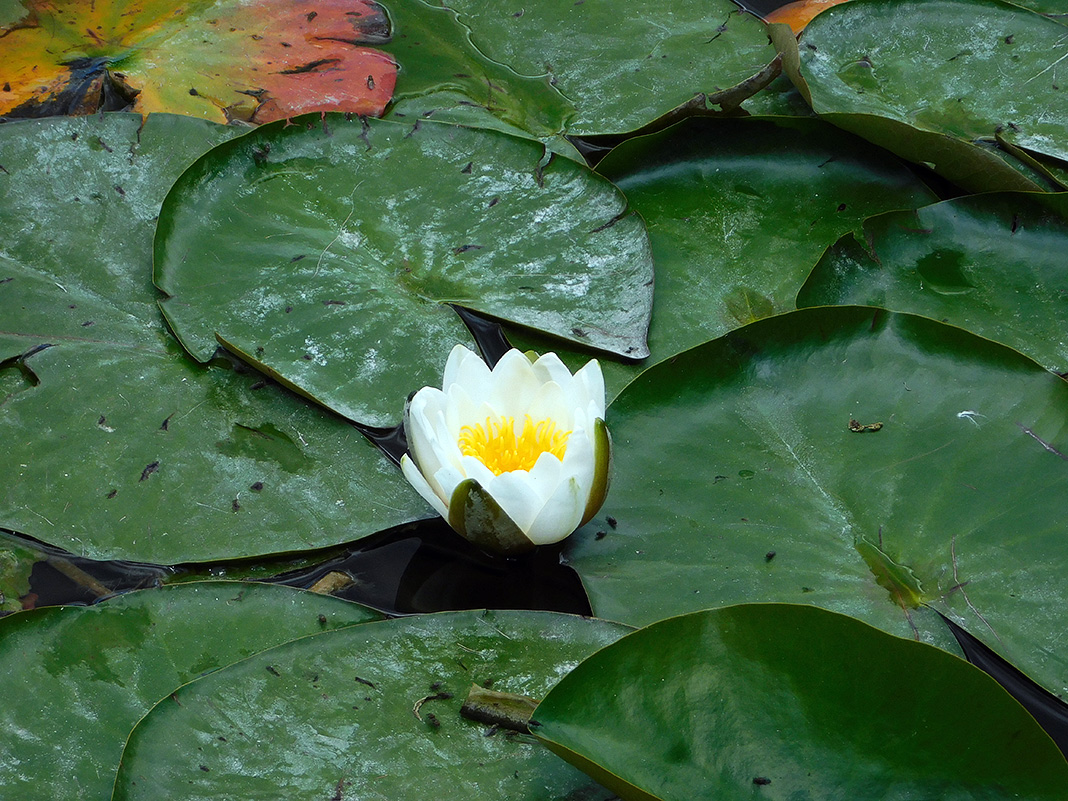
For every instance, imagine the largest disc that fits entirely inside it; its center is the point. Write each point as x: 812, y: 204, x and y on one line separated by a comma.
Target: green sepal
x: 476, y: 516
x: 602, y: 458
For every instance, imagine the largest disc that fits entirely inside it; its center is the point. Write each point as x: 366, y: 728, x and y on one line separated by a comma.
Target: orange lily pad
x: 799, y: 14
x: 221, y: 60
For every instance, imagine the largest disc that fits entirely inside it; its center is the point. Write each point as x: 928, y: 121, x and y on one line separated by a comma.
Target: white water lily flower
x: 512, y: 457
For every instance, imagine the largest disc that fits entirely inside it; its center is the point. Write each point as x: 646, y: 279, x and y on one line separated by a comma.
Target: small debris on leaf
x: 860, y: 428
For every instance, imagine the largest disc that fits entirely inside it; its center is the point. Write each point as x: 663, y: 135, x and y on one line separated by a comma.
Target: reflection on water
x: 417, y: 567
x: 426, y: 567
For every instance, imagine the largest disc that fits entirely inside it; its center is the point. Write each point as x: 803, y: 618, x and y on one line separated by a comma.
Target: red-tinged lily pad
x: 222, y: 60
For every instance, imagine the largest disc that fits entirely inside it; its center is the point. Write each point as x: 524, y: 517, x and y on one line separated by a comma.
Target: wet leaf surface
x: 992, y: 264
x: 898, y: 72
x: 119, y: 445
x: 341, y: 244
x: 85, y: 676
x: 219, y: 61
x: 738, y: 213
x: 739, y: 477
x: 343, y: 715
x: 797, y: 702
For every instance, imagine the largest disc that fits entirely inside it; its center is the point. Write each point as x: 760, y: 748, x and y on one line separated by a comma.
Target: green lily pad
x: 914, y: 77
x: 497, y: 64
x: 785, y: 701
x: 870, y: 463
x: 738, y: 212
x: 624, y: 70
x: 119, y: 445
x: 341, y: 243
x: 79, y: 679
x: 220, y: 60
x: 993, y: 264
x: 372, y: 713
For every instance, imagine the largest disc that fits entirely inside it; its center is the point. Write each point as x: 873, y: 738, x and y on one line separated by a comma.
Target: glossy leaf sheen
x: 119, y: 445
x: 337, y: 713
x: 621, y: 69
x: 85, y: 676
x: 793, y: 702
x: 325, y: 253
x: 894, y: 70
x: 738, y: 212
x: 993, y: 264
x: 737, y: 478
x: 215, y: 59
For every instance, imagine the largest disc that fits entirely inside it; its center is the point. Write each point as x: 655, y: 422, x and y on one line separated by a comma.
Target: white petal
x: 416, y: 479
x: 463, y: 411
x: 517, y: 497
x: 473, y: 468
x: 545, y: 475
x: 549, y: 403
x: 548, y: 367
x: 448, y: 477
x: 467, y: 370
x: 591, y: 377
x: 514, y: 383
x: 578, y: 460
x: 560, y: 515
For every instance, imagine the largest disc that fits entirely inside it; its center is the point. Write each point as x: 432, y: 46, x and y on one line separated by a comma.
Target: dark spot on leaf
x: 258, y: 385
x: 494, y: 202
x: 769, y: 556
x: 600, y: 535
x: 432, y: 719
x: 467, y: 168
x: 308, y: 356
x: 204, y: 768
x: 193, y: 92
x: 578, y: 332
x: 112, y: 494
x: 120, y: 190
x: 311, y: 15
x: 7, y: 88
x: 611, y: 521
x: 1015, y: 223
x: 165, y: 425
x: 104, y: 145
x: 841, y: 207
x: 465, y: 248
x: 297, y: 258
x: 761, y: 781
x: 370, y: 81
x: 10, y: 278
x: 322, y: 620
x: 149, y: 470
x: 367, y: 683
x: 235, y: 506
x: 87, y: 323
x: 807, y: 589
x: 272, y: 671
x: 333, y: 303
x: 289, y: 309
x: 1010, y: 38
x: 257, y: 487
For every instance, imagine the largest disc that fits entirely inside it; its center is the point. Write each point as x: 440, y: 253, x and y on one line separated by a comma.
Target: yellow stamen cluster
x: 497, y: 446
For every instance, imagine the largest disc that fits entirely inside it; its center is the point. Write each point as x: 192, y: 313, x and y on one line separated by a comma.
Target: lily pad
x: 870, y: 463
x: 738, y: 212
x: 993, y: 264
x: 79, y: 679
x: 797, y: 702
x: 219, y: 60
x: 372, y: 713
x: 325, y: 254
x: 622, y: 71
x: 910, y: 76
x: 119, y: 445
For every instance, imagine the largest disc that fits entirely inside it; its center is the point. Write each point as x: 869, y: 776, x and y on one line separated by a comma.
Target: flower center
x: 497, y: 446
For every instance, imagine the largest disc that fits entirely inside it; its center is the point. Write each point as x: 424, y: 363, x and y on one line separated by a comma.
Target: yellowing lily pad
x: 221, y: 61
